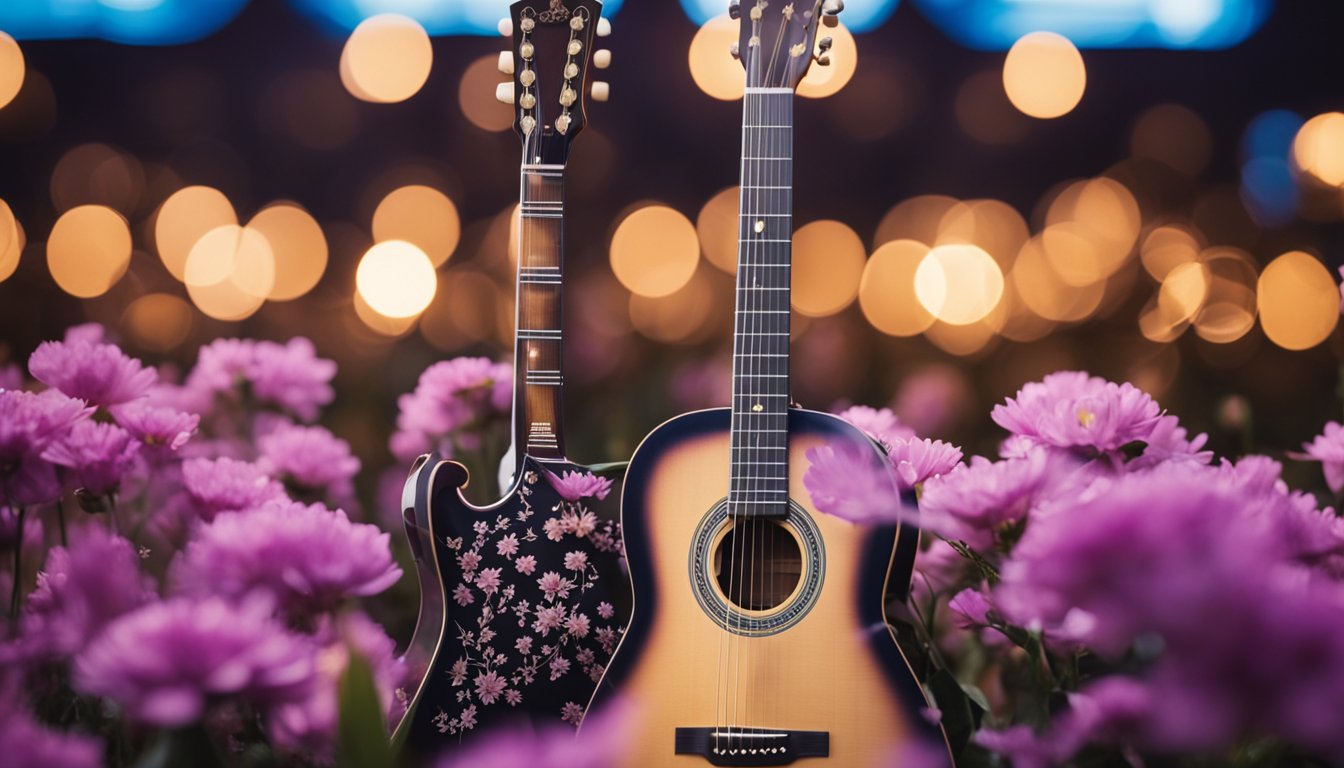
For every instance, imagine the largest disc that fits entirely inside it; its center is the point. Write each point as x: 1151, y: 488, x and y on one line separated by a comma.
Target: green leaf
x: 614, y: 469
x: 986, y: 568
x: 362, y: 740
x: 189, y: 747
x: 960, y: 717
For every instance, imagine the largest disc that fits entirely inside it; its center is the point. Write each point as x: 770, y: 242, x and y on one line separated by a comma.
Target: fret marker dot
x: 758, y: 408
x: 760, y: 226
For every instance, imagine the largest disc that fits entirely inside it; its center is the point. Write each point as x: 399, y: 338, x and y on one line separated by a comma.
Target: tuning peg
x: 504, y: 92
x: 602, y: 58
x: 830, y: 10
x: 505, y: 27
x: 735, y: 10
x: 506, y: 62
x: 603, y: 28
x: 824, y: 60
x: 600, y: 91
x: 735, y: 50
x: 825, y: 44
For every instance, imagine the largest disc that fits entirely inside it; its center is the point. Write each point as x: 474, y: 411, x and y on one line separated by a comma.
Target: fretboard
x: 759, y: 483
x: 538, y: 375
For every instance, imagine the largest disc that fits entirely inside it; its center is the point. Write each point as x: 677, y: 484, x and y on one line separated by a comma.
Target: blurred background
x: 986, y: 191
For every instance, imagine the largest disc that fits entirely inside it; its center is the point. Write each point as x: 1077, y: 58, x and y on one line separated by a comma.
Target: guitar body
x: 533, y: 602
x: 823, y: 660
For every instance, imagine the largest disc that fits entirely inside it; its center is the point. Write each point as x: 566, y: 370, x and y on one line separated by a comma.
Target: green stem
x: 17, y: 591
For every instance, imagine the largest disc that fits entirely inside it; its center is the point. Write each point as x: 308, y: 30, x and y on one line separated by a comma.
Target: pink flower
x: 29, y: 423
x: 310, y: 460
x: 523, y: 645
x: 972, y: 607
x: 227, y: 485
x: 850, y: 480
x: 576, y: 561
x: 605, y: 610
x: 554, y: 529
x: 290, y: 376
x: 582, y: 524
x: 1328, y: 448
x: 1070, y: 409
x: 603, y: 742
x: 577, y: 625
x: 525, y: 564
x: 572, y: 713
x: 575, y: 485
x: 488, y: 580
x: 99, y: 374
x: 469, y: 562
x: 97, y: 455
x: 549, y: 619
x: 462, y: 595
x: 451, y: 396
x: 917, y: 460
x: 882, y: 425
x: 507, y: 546
x: 559, y: 666
x: 489, y: 686
x: 31, y: 744
x: 554, y: 585
x: 458, y: 672
x: 156, y: 426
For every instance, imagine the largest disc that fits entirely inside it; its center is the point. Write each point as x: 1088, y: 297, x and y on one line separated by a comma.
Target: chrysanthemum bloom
x: 308, y: 558
x: 29, y: 744
x: 222, y: 366
x: 881, y: 424
x: 310, y: 725
x: 100, y: 374
x: 1168, y: 442
x: 11, y: 376
x: 850, y: 480
x: 603, y: 743
x: 579, y: 485
x: 450, y: 396
x: 919, y: 459
x: 227, y: 485
x: 168, y: 662
x: 28, y: 425
x: 310, y: 461
x: 97, y: 456
x: 80, y: 590
x: 1328, y: 448
x: 1072, y: 410
x: 292, y: 377
x: 158, y: 427
x: 977, y: 499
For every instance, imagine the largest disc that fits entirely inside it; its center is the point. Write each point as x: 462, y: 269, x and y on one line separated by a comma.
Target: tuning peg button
x: 832, y: 7
x: 603, y: 28
x: 506, y: 62
x: 735, y: 10
x: 735, y: 50
x: 504, y: 92
x: 602, y: 58
x: 824, y: 60
x: 505, y: 27
x: 601, y: 91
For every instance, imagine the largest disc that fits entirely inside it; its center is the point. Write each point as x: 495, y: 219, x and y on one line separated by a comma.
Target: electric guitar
x: 522, y: 601
x: 759, y: 635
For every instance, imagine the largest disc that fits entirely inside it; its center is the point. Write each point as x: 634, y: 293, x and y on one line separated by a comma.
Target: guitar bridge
x: 727, y: 745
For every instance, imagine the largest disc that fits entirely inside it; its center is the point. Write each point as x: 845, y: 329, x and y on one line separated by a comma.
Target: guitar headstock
x: 552, y: 47
x: 778, y: 37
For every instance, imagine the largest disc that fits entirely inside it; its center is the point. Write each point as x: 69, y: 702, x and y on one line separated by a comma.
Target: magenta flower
x: 850, y: 481
x: 450, y: 396
x: 310, y: 461
x: 604, y: 742
x: 29, y: 423
x: 579, y: 485
x: 974, y: 501
x: 222, y: 366
x: 1168, y: 442
x: 97, y: 455
x: 227, y: 485
x: 81, y: 590
x: 308, y: 558
x: 11, y: 377
x: 168, y: 662
x: 156, y: 426
x: 100, y: 374
x: 1328, y: 448
x: 29, y: 744
x: 917, y: 460
x: 882, y: 425
x: 310, y: 725
x: 292, y: 376
x: 1070, y: 409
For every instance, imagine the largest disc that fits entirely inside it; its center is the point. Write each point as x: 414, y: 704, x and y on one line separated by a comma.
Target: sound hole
x: 757, y: 564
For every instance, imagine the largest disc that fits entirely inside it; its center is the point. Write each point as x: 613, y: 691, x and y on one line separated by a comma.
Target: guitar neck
x: 538, y: 344
x: 759, y: 485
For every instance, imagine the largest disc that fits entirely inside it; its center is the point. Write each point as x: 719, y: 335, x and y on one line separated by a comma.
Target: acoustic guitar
x: 759, y: 634
x: 524, y: 600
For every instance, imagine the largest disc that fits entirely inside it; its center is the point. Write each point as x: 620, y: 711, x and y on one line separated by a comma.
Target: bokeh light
x: 476, y: 95
x: 918, y: 218
x: 386, y: 59
x: 159, y: 322
x: 229, y: 272
x: 1319, y: 148
x: 717, y: 226
x: 396, y: 279
x: 466, y: 312
x: 654, y: 251
x: 421, y: 215
x: 12, y: 69
x: 958, y: 283
x: 828, y: 261
x: 392, y: 327
x: 1183, y: 291
x: 887, y: 289
x: 993, y: 225
x: 184, y: 218
x: 298, y: 246
x: 820, y: 82
x: 1230, y: 307
x: 11, y: 242
x: 712, y: 65
x: 1168, y: 247
x: 1044, y: 75
x: 682, y: 317
x: 1298, y: 301
x: 1045, y: 293
x: 89, y: 250
x: 97, y: 174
